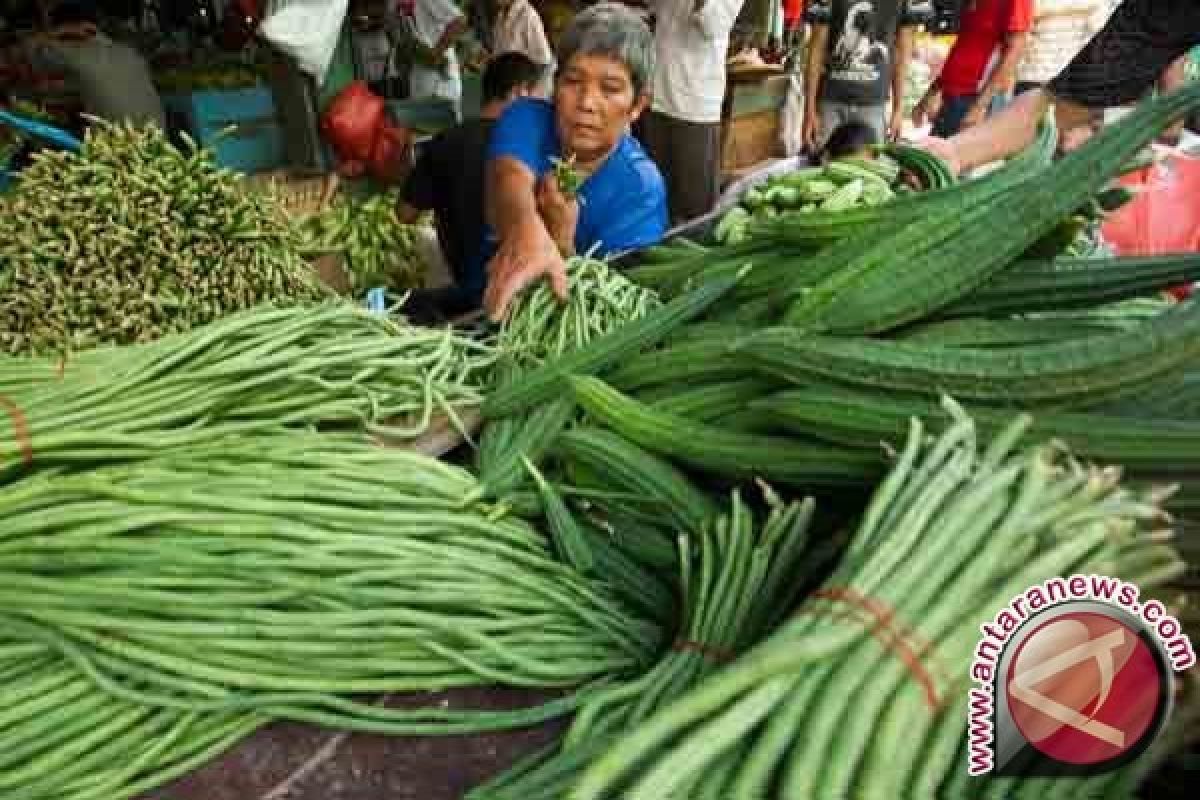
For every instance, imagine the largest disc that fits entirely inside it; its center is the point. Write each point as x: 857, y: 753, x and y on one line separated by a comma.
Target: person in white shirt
x: 519, y: 29
x: 437, y: 25
x: 1060, y: 30
x: 683, y: 129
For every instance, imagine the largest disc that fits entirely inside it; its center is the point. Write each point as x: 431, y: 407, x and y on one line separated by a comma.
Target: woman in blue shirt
x: 606, y: 62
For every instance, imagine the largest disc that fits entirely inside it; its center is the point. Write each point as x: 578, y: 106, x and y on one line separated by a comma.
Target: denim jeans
x: 955, y: 109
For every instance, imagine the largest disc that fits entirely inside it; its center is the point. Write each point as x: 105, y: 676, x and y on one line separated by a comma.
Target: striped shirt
x: 1061, y: 28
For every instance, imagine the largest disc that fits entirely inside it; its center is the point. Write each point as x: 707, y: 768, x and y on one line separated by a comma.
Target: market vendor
x: 1137, y: 45
x: 113, y: 79
x: 606, y: 63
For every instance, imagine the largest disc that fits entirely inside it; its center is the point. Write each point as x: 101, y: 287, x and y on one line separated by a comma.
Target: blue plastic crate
x: 255, y: 145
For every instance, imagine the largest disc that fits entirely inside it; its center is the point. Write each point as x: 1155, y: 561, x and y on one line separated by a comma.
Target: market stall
x: 725, y: 523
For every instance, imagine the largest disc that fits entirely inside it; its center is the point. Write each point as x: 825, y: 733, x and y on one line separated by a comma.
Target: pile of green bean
x: 281, y: 577
x: 601, y: 299
x: 131, y: 239
x: 379, y: 250
x: 825, y: 708
x: 331, y: 365
x: 540, y: 328
x: 738, y: 576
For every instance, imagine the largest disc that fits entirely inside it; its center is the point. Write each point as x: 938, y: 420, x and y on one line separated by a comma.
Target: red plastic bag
x: 1165, y: 215
x: 389, y: 157
x: 352, y: 121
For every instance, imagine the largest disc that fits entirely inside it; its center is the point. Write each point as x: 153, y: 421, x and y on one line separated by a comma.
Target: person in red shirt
x: 980, y: 70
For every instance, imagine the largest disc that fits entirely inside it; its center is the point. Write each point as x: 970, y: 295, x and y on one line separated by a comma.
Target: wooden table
x: 736, y: 78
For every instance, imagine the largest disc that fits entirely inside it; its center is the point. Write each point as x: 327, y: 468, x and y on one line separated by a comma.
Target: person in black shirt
x: 1133, y: 51
x: 859, y: 52
x: 448, y: 180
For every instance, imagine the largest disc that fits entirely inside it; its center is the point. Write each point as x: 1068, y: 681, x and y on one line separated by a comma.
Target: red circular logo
x: 1084, y: 688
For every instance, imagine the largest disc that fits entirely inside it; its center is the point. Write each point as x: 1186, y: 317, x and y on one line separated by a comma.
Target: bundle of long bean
x: 330, y: 365
x: 737, y: 576
x: 279, y: 575
x: 379, y: 250
x: 65, y: 741
x: 539, y: 329
x: 131, y: 239
x: 824, y: 709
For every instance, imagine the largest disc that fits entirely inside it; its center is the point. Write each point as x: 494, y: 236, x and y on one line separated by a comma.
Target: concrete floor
x: 289, y: 761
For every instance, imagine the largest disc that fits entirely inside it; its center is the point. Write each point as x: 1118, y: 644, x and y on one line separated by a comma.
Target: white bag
x: 306, y: 30
x: 791, y: 118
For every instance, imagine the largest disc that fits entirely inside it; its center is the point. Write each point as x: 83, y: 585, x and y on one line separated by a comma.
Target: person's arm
x: 814, y: 70
x: 527, y: 251
x: 518, y: 147
x: 543, y: 52
x: 715, y: 18
x: 1002, y: 79
x: 1001, y: 135
x: 905, y: 38
x: 1174, y: 77
x: 452, y: 32
x: 1118, y: 66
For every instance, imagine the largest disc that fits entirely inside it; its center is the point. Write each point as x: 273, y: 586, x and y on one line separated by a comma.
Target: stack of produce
x: 831, y: 704
x: 131, y: 239
x: 378, y: 249
x: 229, y: 582
x: 332, y: 365
x: 841, y: 185
x: 790, y: 358
x: 208, y: 78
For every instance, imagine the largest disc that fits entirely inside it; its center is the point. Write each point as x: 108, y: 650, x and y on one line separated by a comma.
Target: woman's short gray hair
x: 616, y: 31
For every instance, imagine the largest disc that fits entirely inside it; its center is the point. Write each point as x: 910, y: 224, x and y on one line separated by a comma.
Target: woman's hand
x: 976, y: 115
x: 811, y: 130
x: 527, y: 254
x: 896, y: 124
x: 559, y: 211
x: 928, y: 109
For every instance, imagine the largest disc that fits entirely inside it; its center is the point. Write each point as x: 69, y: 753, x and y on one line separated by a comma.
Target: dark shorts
x: 955, y: 109
x: 1124, y: 60
x: 689, y: 156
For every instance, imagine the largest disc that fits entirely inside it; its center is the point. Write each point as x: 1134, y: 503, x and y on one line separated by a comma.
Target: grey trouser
x: 834, y: 114
x: 689, y: 156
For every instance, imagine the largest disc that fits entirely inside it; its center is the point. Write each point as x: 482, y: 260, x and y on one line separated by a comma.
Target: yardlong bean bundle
x: 131, y: 239
x: 736, y: 577
x: 823, y: 708
x: 264, y: 369
x: 281, y: 574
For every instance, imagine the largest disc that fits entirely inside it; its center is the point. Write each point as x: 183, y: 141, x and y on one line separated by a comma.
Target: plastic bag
x: 352, y: 121
x: 792, y: 118
x: 1164, y: 217
x: 306, y: 30
x: 389, y: 156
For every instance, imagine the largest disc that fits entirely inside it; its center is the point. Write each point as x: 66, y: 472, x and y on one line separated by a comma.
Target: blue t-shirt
x: 623, y: 204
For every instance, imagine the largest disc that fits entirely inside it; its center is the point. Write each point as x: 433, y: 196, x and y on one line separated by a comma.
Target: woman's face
x: 595, y: 103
